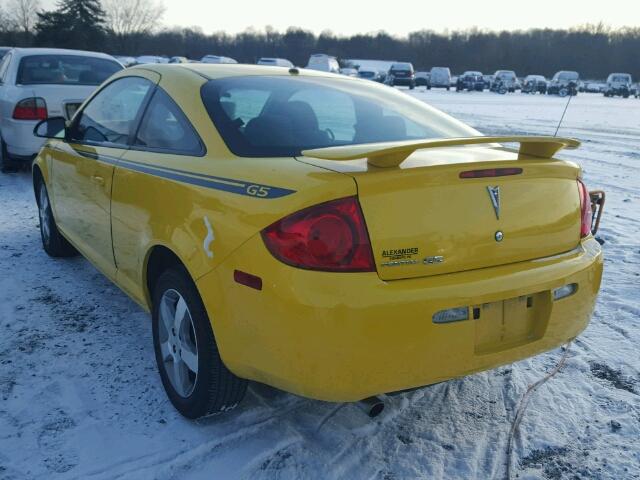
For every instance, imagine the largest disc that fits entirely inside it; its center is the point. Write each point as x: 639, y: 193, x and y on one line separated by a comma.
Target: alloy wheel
x: 178, y: 343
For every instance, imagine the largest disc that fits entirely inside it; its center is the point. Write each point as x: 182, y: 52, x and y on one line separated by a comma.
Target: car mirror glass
x: 53, y: 127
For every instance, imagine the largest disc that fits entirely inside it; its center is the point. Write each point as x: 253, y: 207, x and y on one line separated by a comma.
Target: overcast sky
x: 396, y: 17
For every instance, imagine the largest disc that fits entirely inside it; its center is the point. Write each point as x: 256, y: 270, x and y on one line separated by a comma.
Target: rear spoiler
x: 392, y: 154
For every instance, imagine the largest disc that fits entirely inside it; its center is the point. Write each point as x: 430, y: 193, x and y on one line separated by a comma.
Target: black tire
x: 52, y: 240
x: 215, y: 389
x: 6, y: 164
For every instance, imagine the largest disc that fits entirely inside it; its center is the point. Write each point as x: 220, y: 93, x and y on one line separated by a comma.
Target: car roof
x: 59, y: 51
x: 222, y: 70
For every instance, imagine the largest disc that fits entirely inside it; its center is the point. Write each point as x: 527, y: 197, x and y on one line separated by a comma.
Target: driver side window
x: 110, y: 116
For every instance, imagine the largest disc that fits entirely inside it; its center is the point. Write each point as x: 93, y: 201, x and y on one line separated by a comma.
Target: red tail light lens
x: 34, y: 108
x: 585, y: 209
x: 331, y: 236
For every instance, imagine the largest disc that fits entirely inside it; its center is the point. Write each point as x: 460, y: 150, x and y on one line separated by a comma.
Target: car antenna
x: 563, y: 113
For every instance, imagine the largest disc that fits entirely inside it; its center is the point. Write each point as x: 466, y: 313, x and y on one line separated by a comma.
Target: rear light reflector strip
x: 565, y: 291
x: 248, y: 280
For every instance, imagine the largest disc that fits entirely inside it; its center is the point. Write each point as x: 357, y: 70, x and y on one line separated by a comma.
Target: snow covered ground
x: 80, y: 397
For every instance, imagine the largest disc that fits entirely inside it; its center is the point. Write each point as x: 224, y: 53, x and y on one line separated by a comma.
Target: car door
x: 84, y: 163
x: 164, y: 151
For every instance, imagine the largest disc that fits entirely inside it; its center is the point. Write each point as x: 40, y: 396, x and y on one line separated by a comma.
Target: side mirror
x: 53, y: 127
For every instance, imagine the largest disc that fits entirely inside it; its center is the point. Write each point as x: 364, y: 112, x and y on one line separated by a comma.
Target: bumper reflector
x: 244, y: 278
x: 451, y: 315
x: 566, y: 291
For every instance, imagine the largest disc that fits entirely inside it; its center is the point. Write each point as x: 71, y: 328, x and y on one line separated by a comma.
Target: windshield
x: 273, y: 116
x: 65, y: 70
x: 621, y: 78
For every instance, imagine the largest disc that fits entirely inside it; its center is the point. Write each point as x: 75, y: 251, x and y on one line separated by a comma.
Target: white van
x: 217, y: 59
x: 324, y: 63
x: 275, y: 62
x: 439, y: 77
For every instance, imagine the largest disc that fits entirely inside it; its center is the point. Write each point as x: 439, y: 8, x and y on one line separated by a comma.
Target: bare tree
x: 128, y: 17
x: 22, y: 14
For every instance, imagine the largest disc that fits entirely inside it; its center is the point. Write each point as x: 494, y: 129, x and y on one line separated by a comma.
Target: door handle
x: 97, y: 179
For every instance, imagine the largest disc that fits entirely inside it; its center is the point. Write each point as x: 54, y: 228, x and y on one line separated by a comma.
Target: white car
x: 147, y: 59
x: 323, y: 63
x: 217, y: 59
x: 36, y: 83
x: 275, y: 62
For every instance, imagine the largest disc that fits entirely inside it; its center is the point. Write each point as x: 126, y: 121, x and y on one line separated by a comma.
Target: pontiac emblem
x: 494, y: 195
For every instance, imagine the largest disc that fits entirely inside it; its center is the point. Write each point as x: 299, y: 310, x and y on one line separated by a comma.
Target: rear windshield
x: 401, y: 66
x: 278, y: 116
x: 65, y: 70
x: 507, y: 75
x: 567, y: 76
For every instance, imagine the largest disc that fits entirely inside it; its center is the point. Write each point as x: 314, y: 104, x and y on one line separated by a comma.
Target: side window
x: 165, y: 127
x: 111, y: 115
x: 4, y: 67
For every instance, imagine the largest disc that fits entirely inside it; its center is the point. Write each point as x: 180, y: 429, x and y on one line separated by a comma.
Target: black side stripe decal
x: 230, y: 185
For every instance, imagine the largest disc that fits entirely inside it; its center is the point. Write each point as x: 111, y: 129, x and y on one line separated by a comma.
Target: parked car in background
x: 618, y: 84
x: 439, y: 77
x: 471, y: 81
x: 179, y: 60
x: 148, y: 59
x: 126, y: 60
x: 504, y: 80
x: 422, y: 79
x: 487, y: 81
x: 594, y: 87
x: 323, y: 63
x: 217, y: 59
x: 534, y: 84
x: 36, y: 83
x: 401, y: 74
x: 4, y: 51
x: 563, y: 83
x: 275, y: 62
x: 349, y: 72
x: 374, y: 75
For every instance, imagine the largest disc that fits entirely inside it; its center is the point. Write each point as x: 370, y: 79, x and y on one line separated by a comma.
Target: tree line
x: 132, y: 27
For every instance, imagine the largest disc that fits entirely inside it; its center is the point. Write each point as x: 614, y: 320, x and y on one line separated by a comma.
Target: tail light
x: 34, y: 108
x: 585, y: 209
x: 331, y: 236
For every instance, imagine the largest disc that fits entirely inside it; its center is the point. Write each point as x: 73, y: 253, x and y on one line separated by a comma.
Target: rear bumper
x: 22, y: 144
x: 404, y: 81
x: 344, y: 337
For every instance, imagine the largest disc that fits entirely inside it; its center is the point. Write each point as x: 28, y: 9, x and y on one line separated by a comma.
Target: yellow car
x: 329, y: 236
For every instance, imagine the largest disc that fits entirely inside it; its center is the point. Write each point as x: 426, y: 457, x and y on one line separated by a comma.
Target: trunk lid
x: 423, y: 219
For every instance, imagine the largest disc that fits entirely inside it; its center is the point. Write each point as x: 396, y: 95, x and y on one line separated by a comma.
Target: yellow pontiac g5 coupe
x: 326, y: 235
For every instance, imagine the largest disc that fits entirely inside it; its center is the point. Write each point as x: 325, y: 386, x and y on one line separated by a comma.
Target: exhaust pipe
x: 372, y: 406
